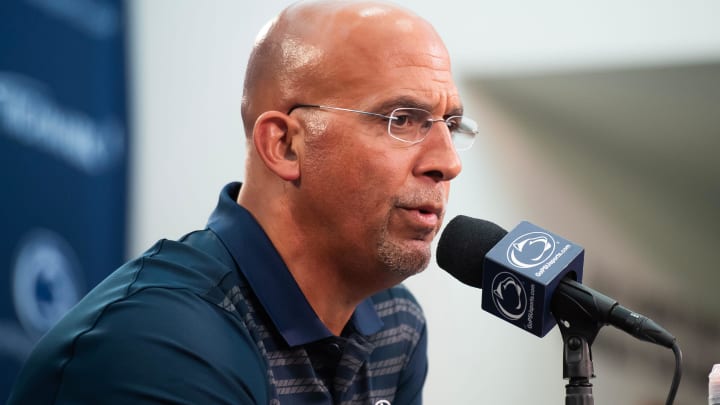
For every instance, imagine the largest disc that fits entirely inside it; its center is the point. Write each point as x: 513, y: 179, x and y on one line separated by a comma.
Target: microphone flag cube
x: 522, y: 271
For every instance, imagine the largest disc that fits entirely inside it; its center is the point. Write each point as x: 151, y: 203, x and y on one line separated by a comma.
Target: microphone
x: 533, y: 276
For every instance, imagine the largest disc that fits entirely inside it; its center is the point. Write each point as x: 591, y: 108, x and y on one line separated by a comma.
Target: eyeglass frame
x: 390, y: 119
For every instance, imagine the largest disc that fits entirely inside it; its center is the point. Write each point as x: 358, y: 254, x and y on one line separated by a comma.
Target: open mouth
x: 424, y: 217
x: 428, y: 210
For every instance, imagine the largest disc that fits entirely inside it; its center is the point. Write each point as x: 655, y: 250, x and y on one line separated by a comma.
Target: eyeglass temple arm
x: 339, y: 109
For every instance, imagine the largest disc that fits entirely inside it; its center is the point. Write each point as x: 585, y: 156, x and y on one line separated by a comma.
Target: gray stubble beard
x: 399, y: 260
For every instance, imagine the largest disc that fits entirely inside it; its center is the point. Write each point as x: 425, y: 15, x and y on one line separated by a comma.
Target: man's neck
x: 333, y: 299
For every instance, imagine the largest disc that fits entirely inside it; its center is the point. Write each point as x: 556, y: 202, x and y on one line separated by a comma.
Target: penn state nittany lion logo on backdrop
x: 45, y: 280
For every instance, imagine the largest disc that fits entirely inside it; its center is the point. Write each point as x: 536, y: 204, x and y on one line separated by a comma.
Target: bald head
x: 329, y: 50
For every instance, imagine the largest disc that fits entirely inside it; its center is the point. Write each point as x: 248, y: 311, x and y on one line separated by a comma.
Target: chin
x: 404, y: 261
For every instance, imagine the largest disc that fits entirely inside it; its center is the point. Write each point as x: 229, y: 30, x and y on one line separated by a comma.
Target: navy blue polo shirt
x: 217, y: 318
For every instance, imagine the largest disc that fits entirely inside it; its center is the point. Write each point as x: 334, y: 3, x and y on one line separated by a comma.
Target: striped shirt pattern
x: 369, y: 368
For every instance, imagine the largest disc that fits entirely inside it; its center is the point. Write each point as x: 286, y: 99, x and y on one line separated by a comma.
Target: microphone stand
x: 579, y: 328
x: 577, y: 368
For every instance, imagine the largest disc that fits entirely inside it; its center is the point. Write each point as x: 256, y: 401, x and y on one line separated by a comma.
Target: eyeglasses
x: 411, y: 125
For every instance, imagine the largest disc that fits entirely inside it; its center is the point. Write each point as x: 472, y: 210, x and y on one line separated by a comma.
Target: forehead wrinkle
x: 437, y: 67
x: 430, y: 55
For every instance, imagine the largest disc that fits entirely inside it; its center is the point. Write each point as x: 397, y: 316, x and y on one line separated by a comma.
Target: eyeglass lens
x: 413, y: 124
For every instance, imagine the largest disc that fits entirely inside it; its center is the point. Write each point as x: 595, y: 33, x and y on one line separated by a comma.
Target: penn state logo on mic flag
x: 509, y: 296
x: 531, y: 249
x: 521, y: 273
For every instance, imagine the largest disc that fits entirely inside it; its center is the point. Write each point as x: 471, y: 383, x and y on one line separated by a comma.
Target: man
x: 290, y: 295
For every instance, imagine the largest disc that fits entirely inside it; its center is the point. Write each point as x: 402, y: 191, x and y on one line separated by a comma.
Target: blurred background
x: 120, y: 123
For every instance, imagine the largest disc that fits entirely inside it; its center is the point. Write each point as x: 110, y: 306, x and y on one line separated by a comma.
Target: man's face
x: 380, y: 201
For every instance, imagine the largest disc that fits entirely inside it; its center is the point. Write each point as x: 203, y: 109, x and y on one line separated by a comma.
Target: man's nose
x: 438, y: 158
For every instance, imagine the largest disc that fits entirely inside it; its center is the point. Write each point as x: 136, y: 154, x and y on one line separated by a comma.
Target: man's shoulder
x: 174, y: 287
x: 158, y: 345
x: 153, y: 323
x: 198, y: 261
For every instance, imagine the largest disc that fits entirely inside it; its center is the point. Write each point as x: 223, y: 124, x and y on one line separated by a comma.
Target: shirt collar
x: 269, y: 277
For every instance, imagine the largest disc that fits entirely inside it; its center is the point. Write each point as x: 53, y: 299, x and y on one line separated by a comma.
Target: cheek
x: 376, y: 172
x: 357, y: 182
x: 349, y: 160
x: 356, y: 172
x: 330, y: 179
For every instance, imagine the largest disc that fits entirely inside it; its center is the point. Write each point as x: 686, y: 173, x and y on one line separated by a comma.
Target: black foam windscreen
x: 463, y: 246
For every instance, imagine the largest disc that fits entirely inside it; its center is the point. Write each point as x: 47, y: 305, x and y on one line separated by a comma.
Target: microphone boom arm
x: 573, y: 301
x: 581, y: 312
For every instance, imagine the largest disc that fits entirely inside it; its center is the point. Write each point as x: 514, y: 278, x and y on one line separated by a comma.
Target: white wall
x: 187, y: 69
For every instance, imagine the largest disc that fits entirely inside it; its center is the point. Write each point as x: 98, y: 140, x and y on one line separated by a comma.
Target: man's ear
x: 276, y: 142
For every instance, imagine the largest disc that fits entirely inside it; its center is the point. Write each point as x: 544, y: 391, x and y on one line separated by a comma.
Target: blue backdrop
x: 63, y: 162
